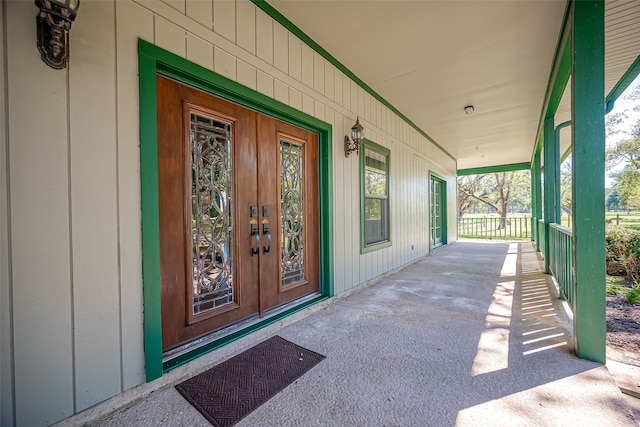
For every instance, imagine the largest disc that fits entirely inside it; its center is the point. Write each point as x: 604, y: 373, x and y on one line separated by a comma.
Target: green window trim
x: 153, y: 60
x: 379, y: 164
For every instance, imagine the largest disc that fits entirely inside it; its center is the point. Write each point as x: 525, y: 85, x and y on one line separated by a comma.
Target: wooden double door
x: 238, y: 211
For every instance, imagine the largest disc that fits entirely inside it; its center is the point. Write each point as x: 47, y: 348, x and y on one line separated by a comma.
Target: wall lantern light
x: 352, y: 143
x: 53, y: 23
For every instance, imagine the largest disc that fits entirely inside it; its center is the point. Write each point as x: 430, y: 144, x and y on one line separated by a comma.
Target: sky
x: 623, y: 104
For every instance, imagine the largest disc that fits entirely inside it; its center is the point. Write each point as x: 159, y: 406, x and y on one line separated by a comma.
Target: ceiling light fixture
x: 469, y: 110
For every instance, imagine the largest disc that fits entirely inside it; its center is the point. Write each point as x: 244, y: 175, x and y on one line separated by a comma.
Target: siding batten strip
x: 71, y: 282
x: 7, y: 366
x: 133, y: 22
x: 93, y: 207
x: 117, y: 179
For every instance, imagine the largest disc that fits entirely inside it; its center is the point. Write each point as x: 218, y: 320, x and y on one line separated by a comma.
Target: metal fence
x: 491, y: 227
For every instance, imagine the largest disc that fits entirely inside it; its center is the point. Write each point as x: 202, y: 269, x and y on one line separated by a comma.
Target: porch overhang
x: 429, y: 60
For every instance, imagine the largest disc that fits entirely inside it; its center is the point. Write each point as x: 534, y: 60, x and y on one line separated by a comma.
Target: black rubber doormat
x: 228, y: 392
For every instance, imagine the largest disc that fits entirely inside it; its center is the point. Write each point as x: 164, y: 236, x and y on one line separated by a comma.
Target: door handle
x: 265, y: 230
x: 255, y: 249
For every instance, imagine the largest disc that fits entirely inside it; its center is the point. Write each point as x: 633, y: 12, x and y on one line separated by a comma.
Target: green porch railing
x: 561, y: 260
x: 493, y: 227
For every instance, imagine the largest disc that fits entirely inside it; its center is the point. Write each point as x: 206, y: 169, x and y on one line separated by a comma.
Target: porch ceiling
x: 432, y: 58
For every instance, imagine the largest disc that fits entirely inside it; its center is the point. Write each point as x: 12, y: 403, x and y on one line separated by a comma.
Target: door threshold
x: 283, y: 307
x: 223, y: 336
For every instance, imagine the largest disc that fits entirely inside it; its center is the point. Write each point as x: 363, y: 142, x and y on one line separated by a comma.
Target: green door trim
x: 443, y: 203
x: 153, y: 61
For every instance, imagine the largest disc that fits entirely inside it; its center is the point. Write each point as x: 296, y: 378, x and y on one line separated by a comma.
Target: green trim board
x: 561, y: 79
x: 558, y: 77
x: 443, y: 202
x: 493, y: 169
x: 567, y: 151
x: 379, y: 149
x: 564, y: 72
x: 557, y: 180
x: 295, y: 30
x: 153, y: 61
x: 150, y: 215
x: 627, y: 78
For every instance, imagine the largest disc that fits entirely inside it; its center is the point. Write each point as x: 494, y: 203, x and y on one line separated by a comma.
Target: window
x: 374, y: 185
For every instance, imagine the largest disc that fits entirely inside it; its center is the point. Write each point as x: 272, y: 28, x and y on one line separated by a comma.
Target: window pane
x: 375, y: 173
x: 376, y: 214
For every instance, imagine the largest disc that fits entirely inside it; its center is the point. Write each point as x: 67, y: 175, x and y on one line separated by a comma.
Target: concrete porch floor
x: 472, y: 335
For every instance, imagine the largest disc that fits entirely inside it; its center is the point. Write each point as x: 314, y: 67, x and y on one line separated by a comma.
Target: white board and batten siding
x: 72, y: 312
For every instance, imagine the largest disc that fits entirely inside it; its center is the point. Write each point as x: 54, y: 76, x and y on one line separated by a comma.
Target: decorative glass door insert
x: 211, y: 197
x: 291, y: 211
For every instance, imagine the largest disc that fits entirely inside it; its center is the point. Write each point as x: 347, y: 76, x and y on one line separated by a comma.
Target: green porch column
x: 557, y: 190
x: 536, y: 196
x: 588, y: 146
x: 550, y: 164
x: 533, y: 204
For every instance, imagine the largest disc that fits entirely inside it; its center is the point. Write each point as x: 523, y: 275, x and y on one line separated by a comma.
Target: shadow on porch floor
x: 471, y: 335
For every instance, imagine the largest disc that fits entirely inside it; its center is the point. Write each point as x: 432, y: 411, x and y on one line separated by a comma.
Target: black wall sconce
x: 53, y: 23
x: 352, y: 143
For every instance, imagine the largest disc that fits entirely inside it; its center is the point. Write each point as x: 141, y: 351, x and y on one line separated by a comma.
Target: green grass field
x: 485, y: 226
x: 479, y: 226
x: 630, y: 219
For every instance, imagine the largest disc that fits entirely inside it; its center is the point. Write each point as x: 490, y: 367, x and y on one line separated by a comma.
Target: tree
x: 566, y: 178
x: 612, y: 199
x: 627, y: 187
x: 626, y: 150
x: 497, y: 190
x: 468, y: 186
x: 627, y: 181
x: 623, y: 153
